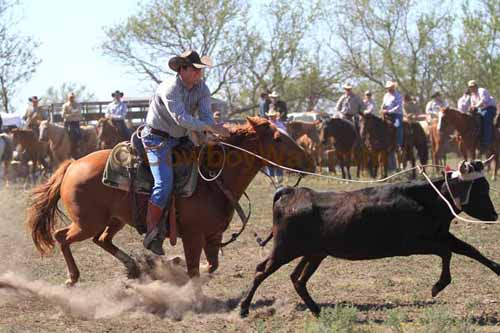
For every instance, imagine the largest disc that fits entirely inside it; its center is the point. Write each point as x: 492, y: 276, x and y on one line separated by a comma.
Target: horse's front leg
x: 193, y: 243
x: 211, y: 249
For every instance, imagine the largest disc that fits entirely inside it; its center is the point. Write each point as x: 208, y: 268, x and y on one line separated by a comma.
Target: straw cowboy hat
x: 189, y: 58
x: 390, y: 84
x: 347, y: 86
x: 368, y: 93
x: 274, y: 94
x: 33, y: 98
x: 117, y: 93
x: 472, y: 83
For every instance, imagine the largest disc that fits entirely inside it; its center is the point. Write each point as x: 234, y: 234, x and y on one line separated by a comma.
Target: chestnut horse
x: 296, y: 129
x: 100, y: 212
x: 59, y: 142
x: 342, y: 135
x: 468, y: 135
x: 29, y: 148
x: 108, y: 135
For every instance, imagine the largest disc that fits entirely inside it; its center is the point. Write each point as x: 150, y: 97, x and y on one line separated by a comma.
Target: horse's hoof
x: 70, y: 283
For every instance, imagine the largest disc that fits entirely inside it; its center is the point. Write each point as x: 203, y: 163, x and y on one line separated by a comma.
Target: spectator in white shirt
x: 117, y: 112
x: 463, y: 103
x: 485, y: 105
x: 369, y: 104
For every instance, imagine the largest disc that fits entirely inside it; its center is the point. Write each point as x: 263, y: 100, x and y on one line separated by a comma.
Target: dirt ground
x: 105, y: 301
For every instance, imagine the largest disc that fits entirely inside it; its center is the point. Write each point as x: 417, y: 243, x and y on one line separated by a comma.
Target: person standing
x: 117, y: 112
x: 485, y: 105
x: 72, y: 115
x: 170, y: 120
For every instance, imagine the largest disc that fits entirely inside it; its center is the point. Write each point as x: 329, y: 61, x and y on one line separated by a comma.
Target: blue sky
x: 70, y: 32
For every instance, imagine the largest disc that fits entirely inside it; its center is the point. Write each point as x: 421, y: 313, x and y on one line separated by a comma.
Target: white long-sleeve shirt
x: 117, y: 110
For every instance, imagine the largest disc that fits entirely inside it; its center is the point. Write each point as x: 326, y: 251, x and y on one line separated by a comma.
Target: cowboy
x: 169, y: 120
x: 217, y: 118
x: 264, y: 102
x: 72, y: 115
x: 463, y: 103
x: 349, y: 106
x: 410, y: 109
x: 483, y: 104
x: 435, y: 104
x: 117, y: 112
x: 392, y: 106
x: 369, y: 104
x: 34, y: 115
x: 274, y: 118
x: 279, y: 105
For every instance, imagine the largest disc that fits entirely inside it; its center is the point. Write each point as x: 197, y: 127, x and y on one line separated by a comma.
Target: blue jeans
x: 274, y: 171
x: 159, y: 151
x: 397, y: 120
x: 488, y: 115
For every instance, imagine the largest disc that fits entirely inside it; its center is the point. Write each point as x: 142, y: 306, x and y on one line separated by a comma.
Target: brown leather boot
x: 153, y: 240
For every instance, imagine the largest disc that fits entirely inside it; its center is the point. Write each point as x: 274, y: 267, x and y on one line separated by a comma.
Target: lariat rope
x: 420, y: 168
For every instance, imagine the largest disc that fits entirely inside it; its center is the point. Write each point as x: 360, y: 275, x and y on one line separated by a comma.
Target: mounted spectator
x: 349, y: 106
x: 369, y: 104
x: 485, y: 105
x: 117, y: 112
x: 463, y: 103
x: 410, y: 109
x: 264, y: 102
x: 279, y: 105
x: 392, y: 107
x: 34, y: 115
x: 435, y: 104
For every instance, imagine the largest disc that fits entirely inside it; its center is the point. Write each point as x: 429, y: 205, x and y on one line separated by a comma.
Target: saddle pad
x: 116, y: 173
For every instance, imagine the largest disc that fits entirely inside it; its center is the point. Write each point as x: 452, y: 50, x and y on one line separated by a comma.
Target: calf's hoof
x: 243, y: 312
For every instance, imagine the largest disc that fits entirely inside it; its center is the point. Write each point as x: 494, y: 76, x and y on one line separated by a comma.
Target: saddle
x: 127, y: 169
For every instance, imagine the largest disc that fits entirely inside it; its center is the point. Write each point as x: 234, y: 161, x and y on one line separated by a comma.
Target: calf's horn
x: 489, y: 159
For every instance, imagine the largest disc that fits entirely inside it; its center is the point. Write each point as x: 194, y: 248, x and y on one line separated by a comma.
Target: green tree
x: 18, y: 60
x: 163, y: 28
x: 54, y: 95
x: 378, y: 40
x: 479, y: 47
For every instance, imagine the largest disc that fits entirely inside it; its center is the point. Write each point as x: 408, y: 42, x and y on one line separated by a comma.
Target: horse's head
x: 23, y: 137
x: 106, y: 133
x: 325, y: 131
x: 277, y: 146
x: 449, y: 120
x: 44, y: 129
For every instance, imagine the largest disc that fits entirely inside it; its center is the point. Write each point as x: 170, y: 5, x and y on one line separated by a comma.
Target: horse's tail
x: 43, y: 210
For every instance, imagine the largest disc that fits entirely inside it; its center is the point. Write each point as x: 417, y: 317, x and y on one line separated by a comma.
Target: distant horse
x: 298, y: 128
x: 379, y: 140
x: 469, y: 133
x: 342, y: 136
x: 6, y: 152
x: 108, y: 134
x: 59, y: 141
x: 29, y: 148
x: 100, y: 212
x: 414, y: 138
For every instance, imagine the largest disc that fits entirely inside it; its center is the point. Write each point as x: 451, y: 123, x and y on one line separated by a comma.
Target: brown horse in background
x: 469, y: 133
x: 59, y: 141
x: 379, y: 139
x: 341, y: 135
x: 296, y: 129
x: 414, y: 138
x: 29, y: 148
x: 100, y: 212
x: 108, y: 134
